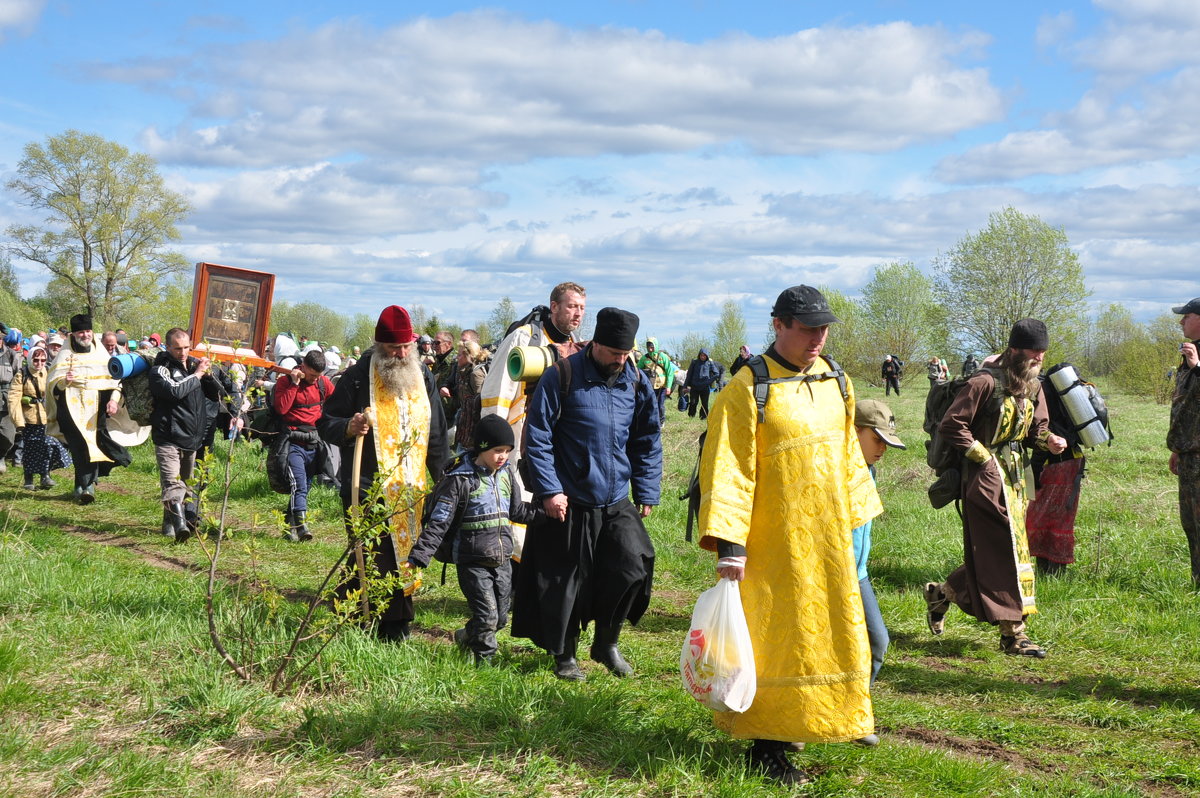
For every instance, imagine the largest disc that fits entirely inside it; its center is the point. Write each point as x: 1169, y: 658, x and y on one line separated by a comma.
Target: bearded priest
x: 406, y: 445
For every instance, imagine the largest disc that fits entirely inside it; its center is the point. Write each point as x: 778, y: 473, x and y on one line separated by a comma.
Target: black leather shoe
x: 605, y: 651
x: 88, y: 494
x: 567, y: 669
x: 768, y: 758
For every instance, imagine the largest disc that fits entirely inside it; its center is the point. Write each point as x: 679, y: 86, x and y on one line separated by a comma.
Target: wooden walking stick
x: 356, y: 476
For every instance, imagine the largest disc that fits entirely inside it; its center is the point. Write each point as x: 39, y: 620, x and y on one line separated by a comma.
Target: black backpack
x: 762, y: 387
x: 940, y: 455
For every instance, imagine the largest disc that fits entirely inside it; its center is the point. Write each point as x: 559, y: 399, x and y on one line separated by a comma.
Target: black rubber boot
x: 565, y: 666
x: 301, y: 528
x: 291, y: 535
x: 604, y: 650
x: 168, y: 522
x: 182, y: 532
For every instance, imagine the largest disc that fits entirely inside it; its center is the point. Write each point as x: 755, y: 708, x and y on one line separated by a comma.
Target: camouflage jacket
x: 1184, y: 435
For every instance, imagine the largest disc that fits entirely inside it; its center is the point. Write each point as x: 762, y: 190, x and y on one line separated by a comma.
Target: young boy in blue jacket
x: 876, y: 427
x: 470, y: 524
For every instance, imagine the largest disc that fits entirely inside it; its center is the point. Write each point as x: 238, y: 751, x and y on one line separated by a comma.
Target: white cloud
x: 327, y: 202
x: 493, y: 88
x: 19, y: 15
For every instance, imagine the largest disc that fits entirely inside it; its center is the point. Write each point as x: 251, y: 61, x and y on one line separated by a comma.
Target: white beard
x: 401, y: 376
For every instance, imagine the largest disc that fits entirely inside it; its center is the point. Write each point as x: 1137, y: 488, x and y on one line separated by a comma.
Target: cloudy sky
x: 667, y: 155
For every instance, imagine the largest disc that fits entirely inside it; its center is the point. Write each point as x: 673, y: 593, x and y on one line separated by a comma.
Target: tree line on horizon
x: 110, y: 221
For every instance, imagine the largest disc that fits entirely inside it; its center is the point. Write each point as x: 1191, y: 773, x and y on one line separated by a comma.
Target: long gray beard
x: 401, y: 376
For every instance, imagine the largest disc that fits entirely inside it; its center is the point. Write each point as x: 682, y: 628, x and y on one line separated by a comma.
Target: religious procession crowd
x: 537, y: 489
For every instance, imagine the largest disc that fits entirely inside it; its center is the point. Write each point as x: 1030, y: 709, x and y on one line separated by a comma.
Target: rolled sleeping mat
x: 1079, y: 407
x: 528, y: 363
x: 123, y: 366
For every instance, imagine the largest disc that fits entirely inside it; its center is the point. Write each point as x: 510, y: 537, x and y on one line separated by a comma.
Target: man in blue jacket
x: 592, y: 433
x: 701, y: 374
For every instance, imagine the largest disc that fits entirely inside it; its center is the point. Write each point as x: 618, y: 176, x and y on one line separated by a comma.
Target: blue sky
x: 668, y: 155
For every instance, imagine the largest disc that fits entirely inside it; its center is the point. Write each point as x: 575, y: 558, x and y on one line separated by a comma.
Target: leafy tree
x: 729, y: 334
x: 850, y: 342
x: 504, y: 314
x: 901, y: 315
x: 1147, y: 358
x: 1114, y: 327
x: 172, y: 307
x: 8, y: 277
x: 685, y: 349
x: 108, y: 219
x: 25, y: 316
x: 313, y: 320
x: 361, y: 331
x: 1015, y: 268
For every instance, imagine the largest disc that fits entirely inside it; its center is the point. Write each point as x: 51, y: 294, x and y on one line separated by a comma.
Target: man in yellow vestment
x: 784, y: 485
x: 83, y: 397
x: 409, y: 436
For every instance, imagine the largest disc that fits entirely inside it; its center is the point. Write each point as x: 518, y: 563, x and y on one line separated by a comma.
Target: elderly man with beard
x: 409, y: 437
x: 992, y: 421
x: 83, y: 397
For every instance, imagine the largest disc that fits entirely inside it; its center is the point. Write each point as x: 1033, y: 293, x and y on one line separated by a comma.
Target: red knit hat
x: 394, y: 327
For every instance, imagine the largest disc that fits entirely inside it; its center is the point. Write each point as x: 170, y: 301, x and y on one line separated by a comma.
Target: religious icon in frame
x: 231, y: 307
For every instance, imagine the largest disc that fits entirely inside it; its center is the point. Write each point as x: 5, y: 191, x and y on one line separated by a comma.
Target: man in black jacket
x: 181, y: 387
x: 406, y: 437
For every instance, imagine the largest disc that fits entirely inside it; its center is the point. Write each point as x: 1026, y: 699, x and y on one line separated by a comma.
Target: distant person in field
x: 743, y: 357
x: 1183, y: 437
x: 702, y: 376
x: 890, y: 371
x: 969, y: 366
x: 991, y: 421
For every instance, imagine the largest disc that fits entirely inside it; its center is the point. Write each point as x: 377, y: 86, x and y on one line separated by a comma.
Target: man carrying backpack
x: 783, y: 484
x: 298, y: 399
x: 992, y: 421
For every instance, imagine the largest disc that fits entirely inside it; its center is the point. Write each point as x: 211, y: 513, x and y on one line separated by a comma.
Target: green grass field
x: 109, y: 687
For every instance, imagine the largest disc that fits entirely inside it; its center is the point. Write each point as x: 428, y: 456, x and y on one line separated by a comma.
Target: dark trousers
x: 661, y: 396
x: 301, y: 462
x: 488, y: 592
x: 598, y: 565
x: 399, y: 610
x: 1189, y: 507
x: 891, y: 384
x: 699, y: 402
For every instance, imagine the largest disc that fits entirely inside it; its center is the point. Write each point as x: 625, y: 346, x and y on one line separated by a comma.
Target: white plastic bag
x: 717, y: 662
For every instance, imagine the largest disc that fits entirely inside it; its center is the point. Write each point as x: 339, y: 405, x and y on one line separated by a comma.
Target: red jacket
x: 300, y: 404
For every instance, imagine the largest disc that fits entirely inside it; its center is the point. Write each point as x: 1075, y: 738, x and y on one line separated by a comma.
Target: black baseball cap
x: 1190, y: 307
x: 806, y: 305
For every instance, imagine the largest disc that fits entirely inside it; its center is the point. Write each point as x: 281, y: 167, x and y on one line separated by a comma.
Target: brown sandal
x: 936, y: 605
x: 1021, y: 646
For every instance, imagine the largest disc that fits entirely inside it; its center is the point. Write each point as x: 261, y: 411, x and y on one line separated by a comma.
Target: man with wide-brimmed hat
x: 84, y: 401
x: 783, y: 483
x: 408, y: 438
x: 592, y: 434
x: 992, y: 421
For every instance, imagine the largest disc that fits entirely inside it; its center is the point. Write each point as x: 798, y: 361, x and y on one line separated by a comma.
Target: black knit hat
x: 616, y: 328
x: 492, y: 431
x: 81, y: 322
x: 1029, y: 334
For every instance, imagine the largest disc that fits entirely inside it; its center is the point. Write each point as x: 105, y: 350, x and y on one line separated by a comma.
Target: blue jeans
x: 877, y: 633
x: 301, y: 461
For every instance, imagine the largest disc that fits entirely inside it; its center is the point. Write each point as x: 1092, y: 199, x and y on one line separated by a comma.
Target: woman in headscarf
x: 27, y: 398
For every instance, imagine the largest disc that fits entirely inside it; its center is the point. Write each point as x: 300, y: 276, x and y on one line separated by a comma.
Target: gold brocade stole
x: 401, y: 442
x: 1013, y: 425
